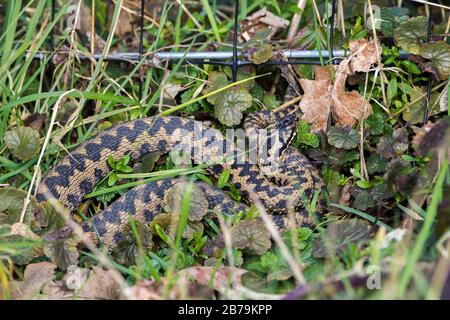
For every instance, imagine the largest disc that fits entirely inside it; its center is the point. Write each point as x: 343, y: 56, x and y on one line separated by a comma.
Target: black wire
x: 330, y: 39
x: 333, y: 14
x: 141, y: 44
x: 234, y: 63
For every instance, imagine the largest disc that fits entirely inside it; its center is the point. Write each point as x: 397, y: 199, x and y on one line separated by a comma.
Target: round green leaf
x: 231, y: 104
x: 216, y: 80
x: 23, y: 142
x: 11, y: 205
x: 198, y: 204
x: 410, y: 34
x: 251, y: 234
x: 345, y: 138
x: 439, y: 54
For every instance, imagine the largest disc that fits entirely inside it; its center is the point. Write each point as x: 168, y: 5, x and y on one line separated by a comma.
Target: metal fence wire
x: 220, y: 57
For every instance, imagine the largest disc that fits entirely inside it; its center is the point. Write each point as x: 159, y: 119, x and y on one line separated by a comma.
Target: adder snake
x: 78, y: 173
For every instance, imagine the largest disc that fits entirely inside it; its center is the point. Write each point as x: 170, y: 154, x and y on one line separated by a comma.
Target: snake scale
x: 78, y: 172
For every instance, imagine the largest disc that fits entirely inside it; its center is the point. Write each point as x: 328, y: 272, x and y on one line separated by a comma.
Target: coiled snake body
x: 77, y: 173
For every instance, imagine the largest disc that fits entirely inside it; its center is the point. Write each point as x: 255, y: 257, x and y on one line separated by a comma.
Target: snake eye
x: 289, y: 121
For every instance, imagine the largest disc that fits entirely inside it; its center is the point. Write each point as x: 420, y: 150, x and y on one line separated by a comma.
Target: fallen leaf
x: 363, y: 54
x: 321, y: 96
x: 36, y: 275
x: 97, y: 283
x: 349, y: 107
x: 172, y: 89
x: 261, y: 19
x: 83, y: 21
x: 316, y: 102
x: 198, y: 282
x: 251, y: 234
x: 85, y: 284
x: 35, y: 121
x: 124, y: 24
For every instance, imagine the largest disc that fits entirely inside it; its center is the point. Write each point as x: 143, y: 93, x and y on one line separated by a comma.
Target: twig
x: 296, y: 20
x: 41, y: 155
x: 293, y: 265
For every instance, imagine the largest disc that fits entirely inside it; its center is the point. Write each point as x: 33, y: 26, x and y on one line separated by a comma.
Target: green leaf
x: 111, y: 162
x: 231, y: 104
x: 395, y: 145
x: 414, y: 112
x: 216, y: 80
x: 112, y: 179
x: 375, y: 123
x: 365, y: 184
x: 339, y: 236
x: 305, y: 137
x: 251, y: 234
x: 358, y: 32
x: 410, y: 34
x: 162, y: 234
x: 439, y: 54
x: 23, y: 142
x: 363, y: 200
x: 376, y: 163
x: 392, y: 88
x: 223, y: 179
x: 411, y: 67
x: 346, y: 138
x: 258, y: 50
x: 387, y: 22
x: 11, y: 205
x: 174, y: 197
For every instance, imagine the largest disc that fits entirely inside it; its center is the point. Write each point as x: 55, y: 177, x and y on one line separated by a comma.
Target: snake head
x: 287, y: 128
x: 276, y: 143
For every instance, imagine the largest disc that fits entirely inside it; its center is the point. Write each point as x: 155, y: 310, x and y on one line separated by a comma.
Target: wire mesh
x: 216, y: 58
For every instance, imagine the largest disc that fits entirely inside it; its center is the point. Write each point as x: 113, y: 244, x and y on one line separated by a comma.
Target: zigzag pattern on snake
x: 78, y: 173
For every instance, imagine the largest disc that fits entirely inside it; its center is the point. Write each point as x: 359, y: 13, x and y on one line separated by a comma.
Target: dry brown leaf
x: 97, y: 283
x: 193, y: 283
x: 124, y: 24
x: 349, y: 107
x: 83, y: 21
x: 203, y: 275
x: 363, y: 54
x: 316, y: 102
x: 261, y: 19
x: 171, y: 90
x: 35, y: 121
x: 84, y: 284
x: 320, y: 96
x: 36, y: 275
x: 420, y: 132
